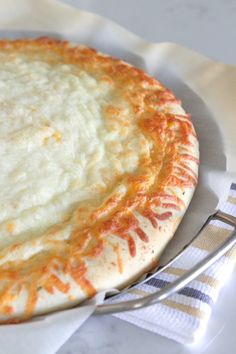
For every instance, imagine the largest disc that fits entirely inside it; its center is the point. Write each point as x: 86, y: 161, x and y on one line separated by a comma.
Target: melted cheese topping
x: 62, y: 142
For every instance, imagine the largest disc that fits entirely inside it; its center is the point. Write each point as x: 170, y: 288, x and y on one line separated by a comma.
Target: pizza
x: 98, y: 164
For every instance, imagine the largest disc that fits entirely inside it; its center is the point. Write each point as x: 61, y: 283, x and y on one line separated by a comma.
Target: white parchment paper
x: 207, y: 90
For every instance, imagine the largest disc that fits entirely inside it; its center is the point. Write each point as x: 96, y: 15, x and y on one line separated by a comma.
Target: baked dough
x: 98, y: 164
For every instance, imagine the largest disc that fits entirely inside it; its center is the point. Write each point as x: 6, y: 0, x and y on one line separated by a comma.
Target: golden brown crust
x: 150, y: 188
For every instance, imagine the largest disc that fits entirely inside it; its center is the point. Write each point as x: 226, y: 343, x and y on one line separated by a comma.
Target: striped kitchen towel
x: 183, y: 316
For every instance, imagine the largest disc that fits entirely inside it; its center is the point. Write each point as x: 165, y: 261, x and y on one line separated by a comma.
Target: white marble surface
x: 207, y: 27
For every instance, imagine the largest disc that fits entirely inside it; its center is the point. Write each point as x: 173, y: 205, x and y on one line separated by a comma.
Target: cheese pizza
x: 98, y: 163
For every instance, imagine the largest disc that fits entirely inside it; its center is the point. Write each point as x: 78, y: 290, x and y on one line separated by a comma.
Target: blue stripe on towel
x: 233, y: 186
x: 187, y: 291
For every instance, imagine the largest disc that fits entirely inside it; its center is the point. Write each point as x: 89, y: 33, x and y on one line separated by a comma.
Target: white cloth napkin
x: 183, y: 316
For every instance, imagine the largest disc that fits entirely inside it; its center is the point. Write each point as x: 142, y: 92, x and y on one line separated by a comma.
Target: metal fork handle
x: 182, y: 281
